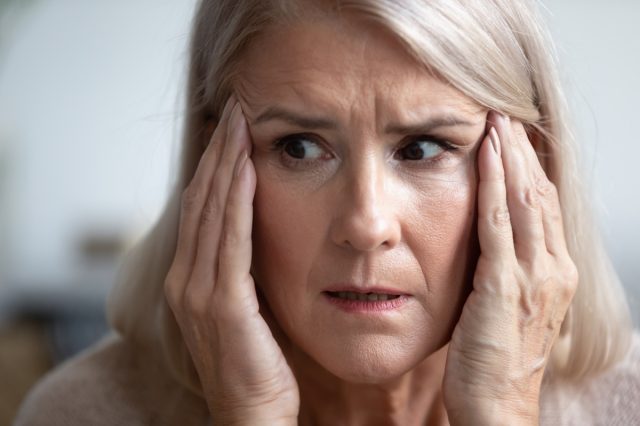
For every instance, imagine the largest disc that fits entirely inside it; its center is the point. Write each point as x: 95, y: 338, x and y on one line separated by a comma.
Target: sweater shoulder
x: 611, y: 397
x: 109, y: 383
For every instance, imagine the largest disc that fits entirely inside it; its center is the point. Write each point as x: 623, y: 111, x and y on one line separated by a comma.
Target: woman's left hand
x: 523, y: 285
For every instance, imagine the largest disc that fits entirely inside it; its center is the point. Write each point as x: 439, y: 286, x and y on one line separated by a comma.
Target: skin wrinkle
x: 363, y: 217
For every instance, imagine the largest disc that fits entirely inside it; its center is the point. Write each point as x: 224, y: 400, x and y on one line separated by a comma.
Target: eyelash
x: 280, y: 144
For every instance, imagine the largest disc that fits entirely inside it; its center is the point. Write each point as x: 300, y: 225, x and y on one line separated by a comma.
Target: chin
x: 370, y: 360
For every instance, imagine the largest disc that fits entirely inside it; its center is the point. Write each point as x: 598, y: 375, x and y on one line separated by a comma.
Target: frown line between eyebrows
x: 307, y: 122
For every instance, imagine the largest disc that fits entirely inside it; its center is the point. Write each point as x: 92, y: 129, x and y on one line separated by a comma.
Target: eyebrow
x: 277, y: 113
x: 307, y: 122
x: 446, y: 120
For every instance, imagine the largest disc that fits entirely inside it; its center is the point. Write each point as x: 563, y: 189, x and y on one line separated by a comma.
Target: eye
x: 423, y: 148
x: 300, y: 147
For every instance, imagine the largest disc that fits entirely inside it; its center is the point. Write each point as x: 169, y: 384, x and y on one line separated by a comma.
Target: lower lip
x: 367, y: 306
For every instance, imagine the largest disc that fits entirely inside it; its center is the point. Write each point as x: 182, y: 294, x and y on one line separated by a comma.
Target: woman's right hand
x: 243, y: 372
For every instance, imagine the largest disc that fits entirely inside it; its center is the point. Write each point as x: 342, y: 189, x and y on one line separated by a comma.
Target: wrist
x: 496, y: 413
x: 281, y: 410
x: 253, y: 416
x: 249, y: 421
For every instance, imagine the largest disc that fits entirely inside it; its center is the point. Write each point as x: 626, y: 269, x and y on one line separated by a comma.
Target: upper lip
x: 364, y: 288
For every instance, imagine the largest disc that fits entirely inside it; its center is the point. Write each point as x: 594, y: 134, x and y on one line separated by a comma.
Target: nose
x: 366, y: 216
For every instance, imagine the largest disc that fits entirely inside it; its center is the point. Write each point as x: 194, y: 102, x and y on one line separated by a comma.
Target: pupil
x: 413, y: 152
x: 295, y: 149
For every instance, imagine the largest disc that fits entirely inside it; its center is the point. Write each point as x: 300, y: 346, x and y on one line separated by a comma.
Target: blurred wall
x: 599, y: 46
x: 89, y: 101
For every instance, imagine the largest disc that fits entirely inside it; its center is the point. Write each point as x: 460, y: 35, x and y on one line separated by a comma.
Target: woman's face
x: 366, y: 184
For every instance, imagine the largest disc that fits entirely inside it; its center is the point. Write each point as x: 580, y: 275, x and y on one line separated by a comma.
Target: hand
x: 244, y: 375
x: 523, y: 285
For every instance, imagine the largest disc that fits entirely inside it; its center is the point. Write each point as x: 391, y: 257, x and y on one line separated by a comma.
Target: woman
x: 362, y: 233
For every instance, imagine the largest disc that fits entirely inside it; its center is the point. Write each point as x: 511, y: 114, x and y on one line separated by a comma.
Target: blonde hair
x: 497, y: 52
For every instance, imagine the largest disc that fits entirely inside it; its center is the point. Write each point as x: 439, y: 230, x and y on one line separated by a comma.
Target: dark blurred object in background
x: 44, y: 324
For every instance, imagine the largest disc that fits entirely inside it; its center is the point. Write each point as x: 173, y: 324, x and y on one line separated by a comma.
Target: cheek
x: 447, y: 222
x: 446, y: 248
x: 286, y: 233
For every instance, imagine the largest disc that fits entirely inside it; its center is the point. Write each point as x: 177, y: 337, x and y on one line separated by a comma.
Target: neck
x: 415, y: 398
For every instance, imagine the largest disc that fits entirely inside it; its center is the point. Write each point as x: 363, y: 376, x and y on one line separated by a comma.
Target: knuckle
x: 496, y: 278
x: 191, y: 196
x: 568, y: 279
x: 499, y: 217
x: 554, y: 215
x: 533, y: 262
x: 529, y: 198
x: 544, y: 186
x: 172, y: 290
x: 195, y: 303
x: 567, y: 291
x: 520, y: 133
x: 229, y: 238
x: 571, y: 275
x: 210, y: 211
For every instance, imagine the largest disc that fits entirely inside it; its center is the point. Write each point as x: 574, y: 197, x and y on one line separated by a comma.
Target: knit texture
x: 114, y: 384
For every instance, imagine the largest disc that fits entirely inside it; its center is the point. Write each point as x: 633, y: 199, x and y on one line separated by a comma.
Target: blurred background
x: 90, y: 118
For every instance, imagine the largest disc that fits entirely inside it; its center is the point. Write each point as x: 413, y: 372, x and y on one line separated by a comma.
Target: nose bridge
x: 367, y: 187
x: 367, y: 216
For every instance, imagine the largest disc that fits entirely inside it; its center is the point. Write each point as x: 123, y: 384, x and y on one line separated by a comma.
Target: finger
x: 494, y: 225
x: 194, y: 197
x: 212, y: 219
x: 234, y: 282
x: 551, y: 212
x: 522, y: 197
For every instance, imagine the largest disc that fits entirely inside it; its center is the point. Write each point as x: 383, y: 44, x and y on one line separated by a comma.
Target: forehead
x: 337, y: 61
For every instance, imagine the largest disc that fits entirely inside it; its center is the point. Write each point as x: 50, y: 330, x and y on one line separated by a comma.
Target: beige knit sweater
x: 113, y: 384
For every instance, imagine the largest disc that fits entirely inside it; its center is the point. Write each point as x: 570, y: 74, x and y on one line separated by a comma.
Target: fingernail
x: 239, y: 123
x: 233, y: 118
x: 240, y: 163
x: 227, y: 112
x: 495, y: 141
x: 228, y: 106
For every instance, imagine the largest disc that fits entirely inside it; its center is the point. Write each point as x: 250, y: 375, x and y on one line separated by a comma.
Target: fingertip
x: 490, y: 164
x: 233, y: 118
x: 242, y: 159
x: 227, y: 112
x: 495, y: 141
x: 246, y: 176
x: 231, y: 101
x: 250, y: 170
x: 492, y: 117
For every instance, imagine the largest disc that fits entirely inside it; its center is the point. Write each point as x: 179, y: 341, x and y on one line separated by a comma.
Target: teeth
x: 364, y: 297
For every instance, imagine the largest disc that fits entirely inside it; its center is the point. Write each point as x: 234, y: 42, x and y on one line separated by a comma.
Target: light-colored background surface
x: 89, y: 118
x: 88, y: 109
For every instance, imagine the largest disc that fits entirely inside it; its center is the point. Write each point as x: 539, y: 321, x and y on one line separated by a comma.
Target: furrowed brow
x: 429, y: 125
x: 307, y: 122
x: 291, y: 117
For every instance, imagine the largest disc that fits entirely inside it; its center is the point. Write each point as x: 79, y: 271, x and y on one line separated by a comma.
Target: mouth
x: 363, y: 297
x: 369, y: 302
